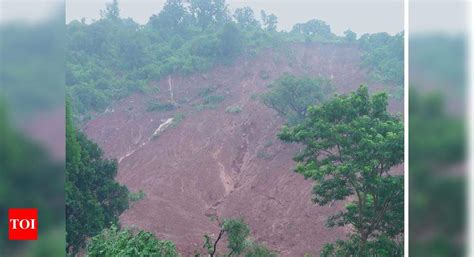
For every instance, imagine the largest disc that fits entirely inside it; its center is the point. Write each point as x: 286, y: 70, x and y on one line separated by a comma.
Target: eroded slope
x: 208, y: 163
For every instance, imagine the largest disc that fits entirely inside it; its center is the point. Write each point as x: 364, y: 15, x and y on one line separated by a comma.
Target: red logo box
x: 23, y: 224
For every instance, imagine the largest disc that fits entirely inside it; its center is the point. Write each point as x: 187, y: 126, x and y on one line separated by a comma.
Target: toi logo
x: 22, y: 224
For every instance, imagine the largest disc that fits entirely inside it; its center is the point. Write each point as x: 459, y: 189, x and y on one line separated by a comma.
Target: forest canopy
x: 112, y: 57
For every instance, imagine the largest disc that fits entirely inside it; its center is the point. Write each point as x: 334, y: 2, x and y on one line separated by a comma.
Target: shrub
x: 136, y: 196
x: 290, y: 96
x: 233, y: 109
x: 210, y: 99
x: 114, y: 242
x: 178, y: 117
x: 160, y: 107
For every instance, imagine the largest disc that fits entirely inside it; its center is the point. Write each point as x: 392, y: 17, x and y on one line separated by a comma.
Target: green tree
x: 113, y: 242
x: 93, y: 199
x: 230, y: 42
x: 269, y: 21
x: 112, y: 11
x: 237, y: 233
x: 350, y: 145
x: 313, y: 28
x: 290, y: 96
x: 350, y: 35
x: 173, y: 19
x: 383, y: 55
x: 245, y: 17
x: 209, y: 12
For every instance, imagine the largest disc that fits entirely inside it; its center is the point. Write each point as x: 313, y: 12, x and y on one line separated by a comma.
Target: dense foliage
x: 121, y: 243
x: 290, y: 96
x: 93, y: 198
x: 111, y: 57
x: 350, y: 145
x: 383, y: 56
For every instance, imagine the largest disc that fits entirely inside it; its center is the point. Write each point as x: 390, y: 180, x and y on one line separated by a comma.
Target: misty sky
x: 361, y: 16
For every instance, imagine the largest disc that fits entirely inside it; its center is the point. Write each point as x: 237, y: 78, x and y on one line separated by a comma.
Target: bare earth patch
x: 209, y: 163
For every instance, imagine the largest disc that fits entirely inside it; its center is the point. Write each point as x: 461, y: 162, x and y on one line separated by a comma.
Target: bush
x: 290, y: 96
x: 114, y: 242
x: 256, y: 250
x: 233, y: 109
x: 178, y: 117
x: 210, y: 99
x: 160, y: 107
x: 137, y: 196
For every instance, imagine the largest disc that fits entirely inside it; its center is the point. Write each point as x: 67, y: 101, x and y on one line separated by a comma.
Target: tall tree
x: 313, y: 28
x: 350, y: 35
x: 290, y: 95
x: 269, y: 21
x: 383, y: 55
x: 237, y: 233
x: 209, y: 12
x: 112, y: 11
x: 350, y: 145
x: 230, y: 43
x: 245, y: 17
x: 93, y: 199
x: 172, y: 20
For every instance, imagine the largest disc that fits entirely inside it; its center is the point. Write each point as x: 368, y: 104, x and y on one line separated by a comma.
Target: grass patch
x: 137, y: 196
x: 212, y: 218
x: 156, y: 106
x: 213, y: 99
x: 178, y: 118
x: 210, y: 99
x: 206, y: 91
x: 233, y: 109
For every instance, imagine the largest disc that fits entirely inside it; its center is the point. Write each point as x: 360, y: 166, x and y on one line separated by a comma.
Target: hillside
x: 210, y: 162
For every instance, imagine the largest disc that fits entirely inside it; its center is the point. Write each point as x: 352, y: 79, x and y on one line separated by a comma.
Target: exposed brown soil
x: 218, y: 163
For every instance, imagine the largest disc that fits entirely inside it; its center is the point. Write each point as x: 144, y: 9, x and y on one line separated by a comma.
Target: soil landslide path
x: 215, y: 163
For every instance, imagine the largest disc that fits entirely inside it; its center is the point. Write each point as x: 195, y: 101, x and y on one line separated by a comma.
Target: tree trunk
x: 363, y: 244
